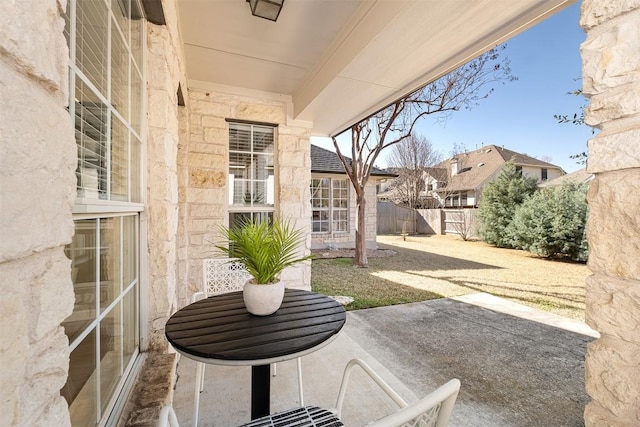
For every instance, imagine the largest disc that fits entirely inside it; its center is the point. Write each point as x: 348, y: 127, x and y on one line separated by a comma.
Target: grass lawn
x: 428, y: 267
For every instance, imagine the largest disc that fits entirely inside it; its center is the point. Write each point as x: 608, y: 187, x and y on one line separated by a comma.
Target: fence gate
x: 453, y: 220
x: 460, y: 221
x: 393, y: 219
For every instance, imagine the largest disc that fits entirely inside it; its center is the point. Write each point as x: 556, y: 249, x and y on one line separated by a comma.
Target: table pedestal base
x: 260, y: 390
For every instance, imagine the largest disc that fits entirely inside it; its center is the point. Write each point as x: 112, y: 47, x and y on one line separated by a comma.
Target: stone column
x: 371, y: 228
x: 611, y: 80
x: 37, y: 192
x: 294, y: 195
x: 203, y: 194
x: 162, y: 182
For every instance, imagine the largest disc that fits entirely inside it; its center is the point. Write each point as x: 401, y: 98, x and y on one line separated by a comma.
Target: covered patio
x: 129, y: 134
x: 518, y: 366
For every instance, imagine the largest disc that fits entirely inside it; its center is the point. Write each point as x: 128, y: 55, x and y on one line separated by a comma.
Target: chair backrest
x: 222, y: 275
x: 167, y: 417
x: 434, y: 410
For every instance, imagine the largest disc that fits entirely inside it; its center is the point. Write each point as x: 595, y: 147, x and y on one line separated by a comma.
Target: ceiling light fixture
x: 267, y: 9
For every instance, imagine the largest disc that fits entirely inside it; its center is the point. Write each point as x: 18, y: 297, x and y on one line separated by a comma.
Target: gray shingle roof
x: 519, y: 159
x: 479, y: 166
x: 579, y: 176
x: 325, y: 161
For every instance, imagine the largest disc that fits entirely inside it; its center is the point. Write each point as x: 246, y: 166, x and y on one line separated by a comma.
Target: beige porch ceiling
x: 337, y: 61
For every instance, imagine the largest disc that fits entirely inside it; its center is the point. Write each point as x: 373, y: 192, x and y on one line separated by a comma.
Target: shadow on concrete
x: 518, y: 366
x: 514, y: 371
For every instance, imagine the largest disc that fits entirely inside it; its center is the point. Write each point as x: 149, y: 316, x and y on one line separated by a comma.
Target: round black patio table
x: 219, y: 330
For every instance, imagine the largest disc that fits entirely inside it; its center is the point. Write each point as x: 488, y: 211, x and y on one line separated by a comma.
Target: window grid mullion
x: 109, y: 105
x: 99, y: 317
x: 331, y: 190
x: 120, y: 295
x: 129, y: 108
x: 251, y: 167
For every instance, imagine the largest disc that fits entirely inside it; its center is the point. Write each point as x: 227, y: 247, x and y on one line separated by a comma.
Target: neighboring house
x: 333, y: 202
x: 398, y: 190
x: 131, y: 130
x: 459, y: 181
x: 581, y: 176
x: 385, y: 190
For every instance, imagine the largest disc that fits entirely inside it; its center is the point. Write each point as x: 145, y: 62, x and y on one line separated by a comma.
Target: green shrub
x: 552, y: 223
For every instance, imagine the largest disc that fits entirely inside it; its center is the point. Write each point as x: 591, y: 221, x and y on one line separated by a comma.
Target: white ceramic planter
x: 263, y: 300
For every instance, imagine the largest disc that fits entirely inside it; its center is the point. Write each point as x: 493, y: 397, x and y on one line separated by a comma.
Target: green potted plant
x: 265, y: 248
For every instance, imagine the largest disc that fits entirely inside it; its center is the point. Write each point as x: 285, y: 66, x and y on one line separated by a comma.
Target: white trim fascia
x: 298, y: 123
x: 538, y: 166
x: 329, y: 175
x: 93, y: 207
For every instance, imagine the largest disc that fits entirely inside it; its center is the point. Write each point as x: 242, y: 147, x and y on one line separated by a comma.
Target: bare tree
x: 457, y: 149
x: 410, y: 158
x: 578, y: 120
x: 546, y: 158
x: 462, y: 88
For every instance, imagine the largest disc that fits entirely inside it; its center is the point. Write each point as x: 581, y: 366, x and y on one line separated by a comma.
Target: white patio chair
x: 433, y: 410
x: 220, y: 276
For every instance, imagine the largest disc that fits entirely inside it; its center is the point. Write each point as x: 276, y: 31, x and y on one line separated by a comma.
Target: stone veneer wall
x: 37, y: 192
x: 611, y: 80
x: 165, y: 71
x: 203, y: 173
x: 348, y: 240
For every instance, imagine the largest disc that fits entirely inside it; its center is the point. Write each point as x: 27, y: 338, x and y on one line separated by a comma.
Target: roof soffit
x: 422, y: 42
x: 339, y: 62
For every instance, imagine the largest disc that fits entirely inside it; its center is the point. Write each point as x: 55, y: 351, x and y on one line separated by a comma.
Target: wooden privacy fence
x: 460, y: 221
x: 393, y: 219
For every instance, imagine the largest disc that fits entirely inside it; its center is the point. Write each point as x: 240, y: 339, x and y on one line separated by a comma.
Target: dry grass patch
x: 428, y: 267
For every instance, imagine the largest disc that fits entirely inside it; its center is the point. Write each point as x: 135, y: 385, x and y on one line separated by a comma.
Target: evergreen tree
x: 552, y: 223
x: 498, y: 204
x: 532, y: 221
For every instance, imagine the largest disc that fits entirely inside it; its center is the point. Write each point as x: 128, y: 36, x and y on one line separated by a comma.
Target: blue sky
x: 519, y: 114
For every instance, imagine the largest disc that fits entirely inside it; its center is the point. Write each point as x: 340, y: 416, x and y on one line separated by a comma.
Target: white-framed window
x: 451, y: 200
x: 103, y: 329
x: 457, y: 199
x: 106, y: 92
x: 251, y: 171
x: 329, y: 205
x: 320, y: 205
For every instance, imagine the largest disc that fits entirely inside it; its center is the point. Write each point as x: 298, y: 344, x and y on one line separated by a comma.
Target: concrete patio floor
x: 518, y: 366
